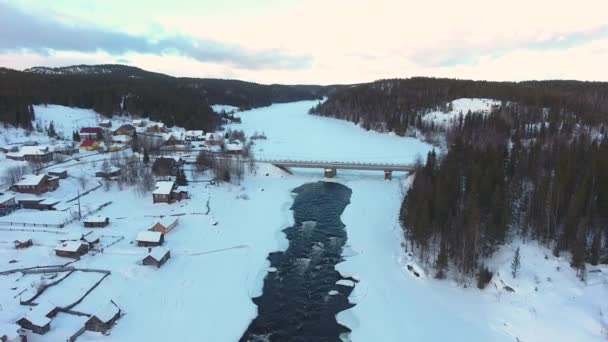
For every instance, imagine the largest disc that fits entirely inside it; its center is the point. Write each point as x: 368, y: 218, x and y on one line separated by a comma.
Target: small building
x: 157, y: 127
x: 139, y: 123
x: 149, y: 238
x: 60, y: 173
x: 166, y: 166
x: 196, y: 135
x: 234, y: 147
x: 157, y: 257
x: 96, y: 221
x: 162, y: 193
x: 72, y: 249
x: 174, y: 138
x: 165, y: 225
x: 67, y: 149
x: 105, y: 123
x: 30, y: 202
x: 89, y: 145
x: 111, y: 172
x: 104, y: 318
x: 126, y: 129
x: 21, y: 244
x: 34, y: 154
x: 38, y: 320
x: 214, y: 139
x: 36, y: 184
x: 91, y: 239
x: 91, y: 133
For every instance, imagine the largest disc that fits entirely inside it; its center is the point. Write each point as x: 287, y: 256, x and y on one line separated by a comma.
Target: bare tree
x: 14, y: 173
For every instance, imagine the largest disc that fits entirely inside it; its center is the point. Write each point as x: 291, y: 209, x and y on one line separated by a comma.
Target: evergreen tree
x: 180, y: 178
x: 515, y: 264
x: 51, y: 130
x: 134, y: 142
x: 146, y: 157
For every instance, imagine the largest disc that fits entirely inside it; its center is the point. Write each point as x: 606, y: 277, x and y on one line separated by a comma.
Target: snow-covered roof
x: 195, y: 133
x: 5, y: 198
x: 38, y: 315
x: 105, y: 121
x: 28, y: 180
x: 158, y: 253
x: 167, y: 220
x: 69, y: 246
x: 29, y: 151
x: 107, y: 312
x: 175, y: 135
x: 163, y: 188
x: 121, y: 138
x: 234, y: 146
x: 214, y: 136
x: 149, y: 236
x: 96, y: 219
x: 45, y: 307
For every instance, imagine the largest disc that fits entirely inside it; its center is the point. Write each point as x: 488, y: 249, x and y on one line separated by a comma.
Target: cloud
x: 30, y: 33
x: 458, y: 51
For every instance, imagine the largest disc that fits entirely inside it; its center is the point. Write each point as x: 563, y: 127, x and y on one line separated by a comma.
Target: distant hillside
x: 115, y: 89
x: 396, y: 104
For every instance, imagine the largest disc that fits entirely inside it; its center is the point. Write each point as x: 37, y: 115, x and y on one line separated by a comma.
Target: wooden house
x: 61, y: 174
x: 234, y: 147
x: 72, y: 249
x: 90, y: 239
x: 36, y: 184
x: 165, y: 225
x: 37, y: 203
x: 20, y: 244
x: 196, y: 135
x: 96, y: 221
x: 149, y: 238
x: 157, y: 257
x: 214, y: 139
x: 91, y: 133
x: 89, y: 145
x: 158, y: 127
x: 34, y: 154
x: 38, y: 320
x: 125, y: 130
x: 8, y: 204
x: 162, y: 193
x: 104, y: 318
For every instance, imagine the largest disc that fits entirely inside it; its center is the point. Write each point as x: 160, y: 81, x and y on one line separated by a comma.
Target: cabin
x: 72, y: 249
x: 165, y: 225
x: 11, y: 332
x: 111, y: 172
x: 91, y: 133
x: 105, y: 123
x: 126, y: 129
x: 162, y: 193
x: 34, y: 154
x: 156, y: 257
x: 91, y: 239
x: 174, y: 138
x: 36, y: 184
x: 21, y: 244
x: 89, y: 145
x: 214, y: 139
x: 158, y: 127
x: 150, y: 239
x: 166, y: 166
x: 37, y: 203
x: 38, y: 320
x: 196, y: 135
x: 61, y: 174
x: 234, y: 147
x: 103, y: 319
x: 96, y: 221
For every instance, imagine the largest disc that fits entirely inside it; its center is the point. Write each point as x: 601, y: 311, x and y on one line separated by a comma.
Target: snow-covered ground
x: 204, y: 291
x: 218, y: 108
x: 460, y: 106
x: 65, y: 119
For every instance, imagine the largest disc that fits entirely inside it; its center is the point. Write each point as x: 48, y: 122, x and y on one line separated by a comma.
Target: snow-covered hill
x: 457, y: 107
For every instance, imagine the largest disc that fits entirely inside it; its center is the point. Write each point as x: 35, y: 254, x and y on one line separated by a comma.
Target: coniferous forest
x: 117, y: 89
x: 536, y: 168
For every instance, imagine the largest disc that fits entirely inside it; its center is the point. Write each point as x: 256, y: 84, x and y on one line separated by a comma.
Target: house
x: 234, y: 147
x: 121, y: 139
x: 139, y: 123
x: 111, y: 172
x: 89, y: 145
x: 59, y: 173
x: 214, y: 139
x: 126, y: 129
x: 174, y: 138
x: 91, y: 133
x: 91, y: 239
x: 35, y: 154
x: 67, y: 149
x: 158, y: 127
x: 166, y: 166
x: 197, y: 135
x: 7, y: 204
x: 36, y: 184
x: 30, y: 202
x: 96, y: 221
x: 162, y: 193
x: 165, y: 225
x: 72, y: 249
x: 150, y: 239
x: 11, y: 332
x: 20, y: 244
x: 103, y: 319
x: 157, y: 257
x: 38, y: 320
x: 105, y: 123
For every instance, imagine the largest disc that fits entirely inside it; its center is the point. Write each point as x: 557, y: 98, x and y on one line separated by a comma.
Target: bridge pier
x: 388, y: 174
x: 330, y: 172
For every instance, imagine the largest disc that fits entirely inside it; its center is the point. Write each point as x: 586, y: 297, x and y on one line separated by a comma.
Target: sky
x: 314, y: 41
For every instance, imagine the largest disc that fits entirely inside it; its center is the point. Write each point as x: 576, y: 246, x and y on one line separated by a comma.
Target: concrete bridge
x: 331, y: 167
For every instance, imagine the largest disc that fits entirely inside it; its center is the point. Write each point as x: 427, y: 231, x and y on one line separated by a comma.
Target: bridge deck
x: 339, y: 165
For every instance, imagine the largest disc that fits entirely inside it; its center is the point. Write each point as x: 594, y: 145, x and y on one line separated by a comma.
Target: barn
x: 96, y: 221
x: 72, y: 249
x: 157, y: 257
x: 150, y: 239
x: 104, y: 318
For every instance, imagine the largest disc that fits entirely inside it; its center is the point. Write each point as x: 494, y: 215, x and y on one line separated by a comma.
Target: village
x: 62, y: 207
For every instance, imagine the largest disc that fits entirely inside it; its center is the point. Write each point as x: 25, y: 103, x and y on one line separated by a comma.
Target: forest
x: 118, y: 89
x: 535, y: 168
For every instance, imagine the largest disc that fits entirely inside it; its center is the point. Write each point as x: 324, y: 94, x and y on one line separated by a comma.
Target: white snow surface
x: 218, y: 108
x: 464, y: 105
x: 66, y: 119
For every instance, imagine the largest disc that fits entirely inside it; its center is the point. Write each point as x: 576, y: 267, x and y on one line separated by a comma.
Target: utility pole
x: 79, y: 213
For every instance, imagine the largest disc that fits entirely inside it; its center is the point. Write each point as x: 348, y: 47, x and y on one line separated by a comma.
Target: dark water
x: 295, y: 304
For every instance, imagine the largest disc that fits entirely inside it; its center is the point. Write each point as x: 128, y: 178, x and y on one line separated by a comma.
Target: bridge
x: 331, y: 167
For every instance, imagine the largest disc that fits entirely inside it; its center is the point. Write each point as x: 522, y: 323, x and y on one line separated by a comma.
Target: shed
x: 38, y: 320
x: 72, y: 249
x: 36, y: 184
x: 165, y: 225
x: 150, y: 239
x: 104, y: 318
x: 157, y: 257
x: 112, y: 171
x: 63, y: 174
x: 96, y: 221
x: 19, y: 244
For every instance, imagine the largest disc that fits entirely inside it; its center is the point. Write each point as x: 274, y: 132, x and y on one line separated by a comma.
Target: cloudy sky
x: 314, y: 41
